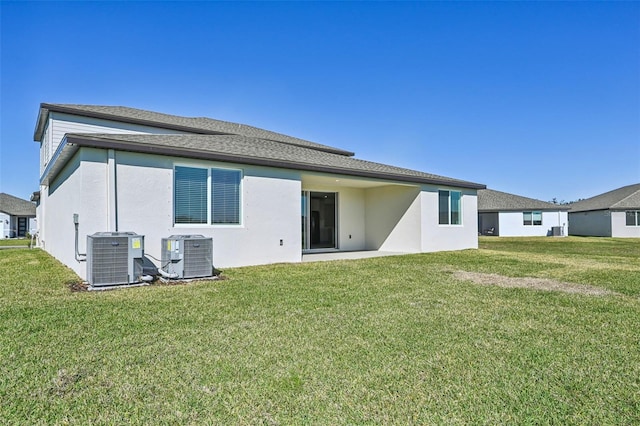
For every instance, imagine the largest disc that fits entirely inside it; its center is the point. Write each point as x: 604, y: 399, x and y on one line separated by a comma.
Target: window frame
x: 209, y: 197
x: 532, y: 214
x: 450, y: 213
x: 635, y: 214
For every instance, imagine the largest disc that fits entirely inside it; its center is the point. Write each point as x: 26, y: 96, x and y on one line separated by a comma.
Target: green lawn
x: 14, y: 242
x: 396, y: 340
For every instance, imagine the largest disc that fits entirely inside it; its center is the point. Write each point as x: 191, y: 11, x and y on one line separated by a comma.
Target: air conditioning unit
x: 188, y: 256
x: 556, y: 231
x: 114, y: 258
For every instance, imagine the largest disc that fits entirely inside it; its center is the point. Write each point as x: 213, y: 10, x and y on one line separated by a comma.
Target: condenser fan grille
x: 198, y: 258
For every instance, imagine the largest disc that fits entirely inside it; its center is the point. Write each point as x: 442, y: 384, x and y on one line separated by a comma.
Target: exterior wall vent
x: 188, y: 256
x: 114, y: 258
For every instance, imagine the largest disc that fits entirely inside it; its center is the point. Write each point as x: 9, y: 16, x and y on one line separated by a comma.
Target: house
x: 263, y: 197
x: 612, y: 214
x: 509, y: 215
x: 17, y: 216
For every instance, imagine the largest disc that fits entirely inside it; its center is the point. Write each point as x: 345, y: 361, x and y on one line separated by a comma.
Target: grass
x: 5, y: 242
x: 392, y: 340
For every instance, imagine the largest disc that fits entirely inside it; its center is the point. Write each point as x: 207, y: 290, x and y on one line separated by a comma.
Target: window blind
x: 443, y: 207
x: 225, y: 196
x: 190, y: 189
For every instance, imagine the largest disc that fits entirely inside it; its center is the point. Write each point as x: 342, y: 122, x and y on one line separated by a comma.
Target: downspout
x: 112, y: 193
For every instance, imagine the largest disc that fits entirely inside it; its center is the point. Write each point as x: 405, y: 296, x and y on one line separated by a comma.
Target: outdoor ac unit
x: 114, y: 258
x: 188, y: 256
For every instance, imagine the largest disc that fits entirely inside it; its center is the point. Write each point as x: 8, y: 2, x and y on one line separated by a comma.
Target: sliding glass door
x: 319, y: 220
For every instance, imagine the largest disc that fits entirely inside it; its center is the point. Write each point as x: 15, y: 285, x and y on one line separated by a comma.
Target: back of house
x: 263, y: 197
x: 614, y: 213
x: 510, y: 215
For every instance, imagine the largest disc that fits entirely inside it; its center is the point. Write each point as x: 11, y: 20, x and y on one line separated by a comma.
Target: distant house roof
x: 490, y: 200
x: 199, y: 125
x: 627, y: 197
x: 15, y: 206
x: 244, y: 150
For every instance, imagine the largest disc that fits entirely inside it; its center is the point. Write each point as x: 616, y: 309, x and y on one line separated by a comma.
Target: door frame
x: 305, y: 201
x: 22, y: 231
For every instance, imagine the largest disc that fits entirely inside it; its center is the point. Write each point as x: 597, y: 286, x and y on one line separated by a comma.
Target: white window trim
x: 637, y: 212
x: 532, y: 212
x: 450, y: 211
x: 209, y: 212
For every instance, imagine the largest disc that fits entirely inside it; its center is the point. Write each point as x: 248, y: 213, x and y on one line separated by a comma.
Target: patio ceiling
x: 310, y: 180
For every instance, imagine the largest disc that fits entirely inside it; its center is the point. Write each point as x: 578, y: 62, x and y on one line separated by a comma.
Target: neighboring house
x: 509, y: 215
x: 17, y: 216
x: 262, y: 196
x: 612, y: 214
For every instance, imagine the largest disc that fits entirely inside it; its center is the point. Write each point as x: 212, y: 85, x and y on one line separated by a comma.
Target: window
x: 225, y: 196
x: 633, y: 217
x: 194, y: 203
x: 449, y: 207
x: 532, y: 218
x: 190, y: 195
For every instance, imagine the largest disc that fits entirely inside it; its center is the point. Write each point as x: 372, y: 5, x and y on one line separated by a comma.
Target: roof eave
x: 96, y: 142
x: 113, y: 117
x: 43, y: 114
x: 589, y: 210
x: 545, y: 209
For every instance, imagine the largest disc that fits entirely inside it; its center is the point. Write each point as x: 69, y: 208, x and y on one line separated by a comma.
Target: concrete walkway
x: 343, y: 255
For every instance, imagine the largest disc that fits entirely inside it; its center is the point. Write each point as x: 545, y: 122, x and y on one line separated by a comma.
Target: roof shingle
x: 198, y: 125
x: 15, y: 206
x: 490, y: 200
x: 627, y: 197
x: 246, y: 150
x: 206, y: 138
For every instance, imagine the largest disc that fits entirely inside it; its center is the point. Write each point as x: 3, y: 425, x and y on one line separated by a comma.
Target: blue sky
x: 540, y: 99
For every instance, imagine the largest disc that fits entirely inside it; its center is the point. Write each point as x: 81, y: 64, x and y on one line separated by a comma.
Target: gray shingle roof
x: 627, y: 197
x: 15, y: 206
x: 198, y: 125
x: 490, y: 200
x: 246, y: 150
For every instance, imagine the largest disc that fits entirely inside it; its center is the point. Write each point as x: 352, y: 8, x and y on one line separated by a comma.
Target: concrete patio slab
x: 344, y: 255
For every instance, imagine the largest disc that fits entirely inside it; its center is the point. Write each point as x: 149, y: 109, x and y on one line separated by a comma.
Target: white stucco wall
x: 270, y: 210
x: 393, y: 219
x: 80, y: 188
x: 5, y: 225
x: 437, y: 237
x: 594, y: 223
x: 351, y: 226
x: 270, y: 205
x: 619, y: 226
x: 512, y: 224
x: 57, y: 125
